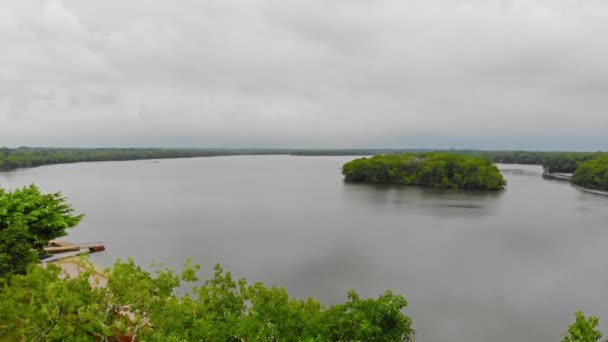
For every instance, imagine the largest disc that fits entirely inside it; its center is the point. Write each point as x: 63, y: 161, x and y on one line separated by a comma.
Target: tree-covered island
x: 433, y: 169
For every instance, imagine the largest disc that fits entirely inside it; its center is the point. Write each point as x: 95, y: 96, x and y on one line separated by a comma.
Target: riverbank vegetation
x: 439, y: 170
x: 566, y: 162
x: 592, y: 174
x: 35, y: 156
x: 569, y: 162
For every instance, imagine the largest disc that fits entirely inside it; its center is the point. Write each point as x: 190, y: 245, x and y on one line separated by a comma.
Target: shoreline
x: 591, y: 191
x: 568, y: 178
x: 557, y: 176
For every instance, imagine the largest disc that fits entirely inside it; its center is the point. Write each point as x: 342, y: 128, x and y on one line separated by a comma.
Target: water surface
x: 502, y: 266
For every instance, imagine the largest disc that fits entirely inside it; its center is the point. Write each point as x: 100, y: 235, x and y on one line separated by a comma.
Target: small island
x: 433, y: 169
x: 592, y: 175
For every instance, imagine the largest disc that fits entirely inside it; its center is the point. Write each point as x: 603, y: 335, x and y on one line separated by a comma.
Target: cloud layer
x: 364, y: 73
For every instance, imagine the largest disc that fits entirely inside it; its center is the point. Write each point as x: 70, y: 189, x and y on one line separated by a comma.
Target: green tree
x: 29, y: 219
x: 584, y: 329
x: 369, y: 319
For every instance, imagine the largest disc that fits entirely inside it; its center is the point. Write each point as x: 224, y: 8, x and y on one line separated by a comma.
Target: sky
x: 529, y: 74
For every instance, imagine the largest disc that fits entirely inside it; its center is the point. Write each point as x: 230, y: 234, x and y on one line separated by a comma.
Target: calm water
x: 509, y: 266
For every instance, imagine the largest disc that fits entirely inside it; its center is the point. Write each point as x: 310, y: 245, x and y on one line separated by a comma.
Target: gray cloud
x: 468, y: 73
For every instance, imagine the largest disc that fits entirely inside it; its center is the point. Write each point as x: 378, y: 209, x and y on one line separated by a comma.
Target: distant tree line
x: 434, y: 169
x: 354, y: 151
x: 566, y: 162
x: 34, y: 156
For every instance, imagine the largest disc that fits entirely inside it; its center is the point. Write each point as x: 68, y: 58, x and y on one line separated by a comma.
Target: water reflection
x: 421, y: 200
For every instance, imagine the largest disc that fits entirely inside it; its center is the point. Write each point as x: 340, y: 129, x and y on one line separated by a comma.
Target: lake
x: 502, y: 266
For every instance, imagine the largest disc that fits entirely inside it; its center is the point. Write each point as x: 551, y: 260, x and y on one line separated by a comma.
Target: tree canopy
x: 592, y: 174
x: 42, y: 306
x: 584, y: 329
x: 439, y: 170
x: 30, y: 219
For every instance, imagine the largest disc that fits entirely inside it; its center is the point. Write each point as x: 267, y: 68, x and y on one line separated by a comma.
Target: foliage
x: 33, y: 156
x: 568, y: 162
x: 369, y: 319
x: 440, y: 170
x: 592, y: 174
x: 42, y: 306
x: 584, y: 329
x: 29, y: 219
x: 551, y: 161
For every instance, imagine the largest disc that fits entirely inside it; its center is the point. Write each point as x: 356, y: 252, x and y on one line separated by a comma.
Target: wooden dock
x: 60, y: 249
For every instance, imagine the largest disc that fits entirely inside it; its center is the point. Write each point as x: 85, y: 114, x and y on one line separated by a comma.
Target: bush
x: 41, y: 306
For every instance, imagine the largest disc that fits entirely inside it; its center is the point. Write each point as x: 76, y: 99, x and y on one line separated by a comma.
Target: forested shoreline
x: 566, y: 162
x: 592, y: 174
x: 438, y: 170
x: 23, y: 157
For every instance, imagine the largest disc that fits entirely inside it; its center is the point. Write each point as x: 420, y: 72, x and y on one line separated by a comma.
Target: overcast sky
x: 526, y: 74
